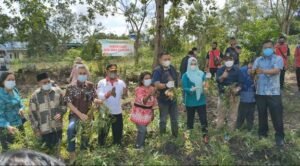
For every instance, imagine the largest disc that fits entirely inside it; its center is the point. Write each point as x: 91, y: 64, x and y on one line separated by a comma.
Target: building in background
x: 15, y: 50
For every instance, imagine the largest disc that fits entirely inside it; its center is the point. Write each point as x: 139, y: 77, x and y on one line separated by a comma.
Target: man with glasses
x: 46, y: 111
x: 268, y: 97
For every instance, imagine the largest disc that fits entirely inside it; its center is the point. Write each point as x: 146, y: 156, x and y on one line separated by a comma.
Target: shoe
x: 279, y: 142
x: 260, y: 137
x: 139, y: 147
x: 205, y: 139
x: 226, y: 137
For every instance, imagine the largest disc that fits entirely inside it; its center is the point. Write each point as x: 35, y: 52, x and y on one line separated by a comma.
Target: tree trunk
x: 285, y: 27
x: 160, y: 5
x: 136, y: 49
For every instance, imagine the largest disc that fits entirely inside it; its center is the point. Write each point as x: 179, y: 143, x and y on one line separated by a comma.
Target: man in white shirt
x: 111, y: 90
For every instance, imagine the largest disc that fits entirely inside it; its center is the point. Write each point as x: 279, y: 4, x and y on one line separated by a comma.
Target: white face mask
x: 9, y: 84
x: 208, y: 75
x: 47, y: 87
x: 193, y: 67
x: 229, y: 63
x: 166, y: 63
x: 147, y: 82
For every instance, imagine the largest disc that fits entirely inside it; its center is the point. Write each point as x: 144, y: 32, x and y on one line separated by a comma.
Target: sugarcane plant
x: 98, y: 118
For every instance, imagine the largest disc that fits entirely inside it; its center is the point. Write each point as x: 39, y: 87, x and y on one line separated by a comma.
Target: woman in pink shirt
x: 142, y: 113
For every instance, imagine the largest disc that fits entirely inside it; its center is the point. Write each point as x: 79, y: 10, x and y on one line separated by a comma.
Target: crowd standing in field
x: 241, y: 89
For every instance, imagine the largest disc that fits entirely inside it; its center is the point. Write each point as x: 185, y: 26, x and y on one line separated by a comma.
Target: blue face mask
x: 268, y: 51
x: 82, y: 78
x: 9, y: 84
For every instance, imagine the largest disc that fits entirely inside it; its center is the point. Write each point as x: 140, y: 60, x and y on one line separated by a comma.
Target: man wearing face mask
x: 233, y: 51
x: 228, y: 76
x: 282, y: 50
x: 165, y: 77
x: 47, y: 108
x: 79, y: 99
x: 213, y: 59
x: 111, y: 90
x: 268, y: 97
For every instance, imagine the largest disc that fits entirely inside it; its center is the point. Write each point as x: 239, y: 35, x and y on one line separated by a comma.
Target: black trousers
x: 117, y: 130
x: 298, y: 77
x: 53, y: 139
x: 201, y: 110
x: 6, y: 138
x: 282, y: 78
x: 245, y: 111
x: 213, y: 72
x: 274, y: 105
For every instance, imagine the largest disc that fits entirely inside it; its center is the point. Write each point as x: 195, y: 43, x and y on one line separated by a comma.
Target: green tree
x: 5, y: 24
x: 135, y: 13
x: 284, y: 12
x: 62, y: 25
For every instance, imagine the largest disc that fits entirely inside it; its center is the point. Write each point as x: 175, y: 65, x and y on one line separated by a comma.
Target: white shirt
x: 113, y: 103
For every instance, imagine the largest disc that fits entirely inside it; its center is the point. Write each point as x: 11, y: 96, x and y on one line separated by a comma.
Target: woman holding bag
x: 142, y: 112
x: 195, y: 100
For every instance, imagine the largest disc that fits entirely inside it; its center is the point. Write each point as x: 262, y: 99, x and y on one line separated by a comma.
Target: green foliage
x: 253, y: 33
x: 91, y: 48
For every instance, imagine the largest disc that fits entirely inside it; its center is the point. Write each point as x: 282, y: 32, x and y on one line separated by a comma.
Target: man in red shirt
x: 214, y: 59
x: 297, y: 64
x: 282, y: 49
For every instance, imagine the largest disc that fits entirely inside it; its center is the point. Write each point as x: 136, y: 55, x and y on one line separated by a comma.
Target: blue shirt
x: 10, y: 105
x: 248, y: 87
x: 190, y: 98
x: 268, y: 84
x: 163, y: 76
x: 234, y: 77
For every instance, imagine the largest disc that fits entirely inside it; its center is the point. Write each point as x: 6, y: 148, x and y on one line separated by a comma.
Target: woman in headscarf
x: 195, y: 100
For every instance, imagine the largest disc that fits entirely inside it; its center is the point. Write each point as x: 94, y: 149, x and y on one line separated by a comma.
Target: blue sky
x: 116, y: 24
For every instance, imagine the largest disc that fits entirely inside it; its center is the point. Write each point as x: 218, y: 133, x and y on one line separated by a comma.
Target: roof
x: 10, y: 46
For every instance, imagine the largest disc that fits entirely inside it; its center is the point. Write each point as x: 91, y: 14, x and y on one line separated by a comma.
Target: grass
x: 243, y: 148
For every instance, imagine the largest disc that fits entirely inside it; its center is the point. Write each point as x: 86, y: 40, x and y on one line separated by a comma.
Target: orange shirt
x: 282, y: 50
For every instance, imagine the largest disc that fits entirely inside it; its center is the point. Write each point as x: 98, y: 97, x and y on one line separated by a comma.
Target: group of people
x: 255, y: 84
x: 242, y: 88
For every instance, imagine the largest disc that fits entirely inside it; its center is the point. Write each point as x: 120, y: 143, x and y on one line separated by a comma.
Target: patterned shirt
x: 81, y: 96
x: 44, y: 106
x: 10, y: 105
x: 268, y: 84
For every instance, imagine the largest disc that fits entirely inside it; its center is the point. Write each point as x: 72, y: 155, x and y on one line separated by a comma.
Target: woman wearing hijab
x: 195, y: 100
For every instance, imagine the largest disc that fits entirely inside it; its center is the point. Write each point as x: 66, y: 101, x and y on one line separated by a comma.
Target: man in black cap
x: 47, y: 108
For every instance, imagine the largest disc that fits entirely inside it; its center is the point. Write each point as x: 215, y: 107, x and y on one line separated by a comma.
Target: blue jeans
x: 71, y: 133
x: 141, y: 135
